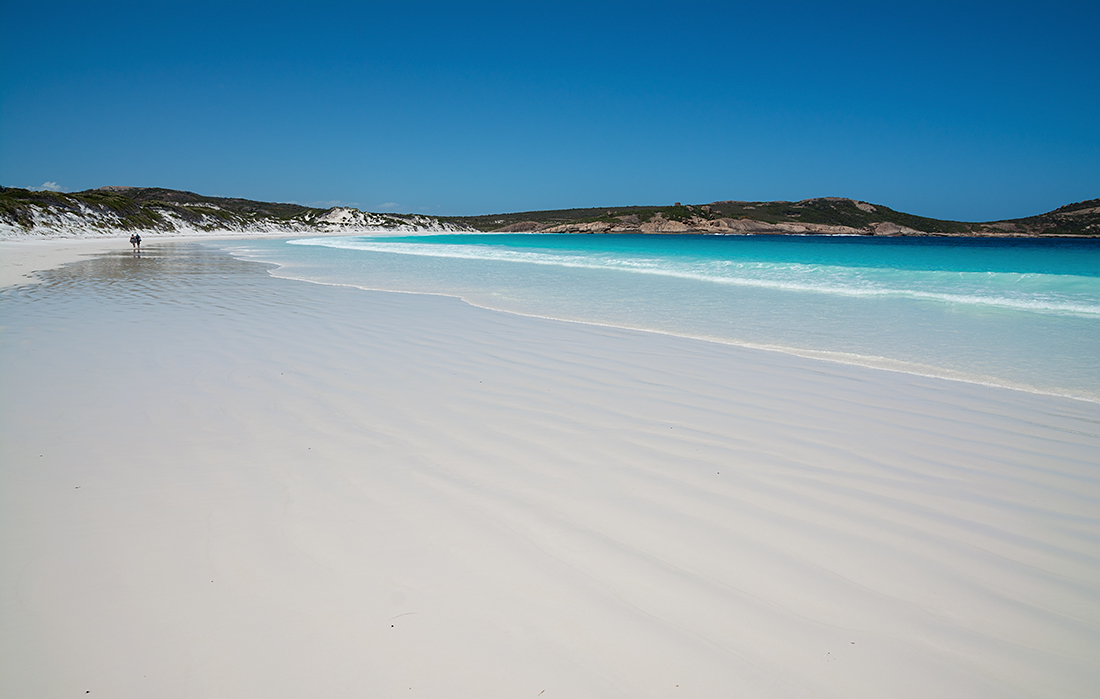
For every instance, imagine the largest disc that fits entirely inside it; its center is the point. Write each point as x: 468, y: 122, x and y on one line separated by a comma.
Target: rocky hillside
x: 827, y: 215
x: 110, y: 210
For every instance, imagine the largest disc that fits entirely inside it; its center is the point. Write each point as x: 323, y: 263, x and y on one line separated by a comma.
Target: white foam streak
x: 820, y: 279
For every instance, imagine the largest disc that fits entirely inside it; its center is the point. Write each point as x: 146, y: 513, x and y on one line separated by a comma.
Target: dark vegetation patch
x: 1079, y: 219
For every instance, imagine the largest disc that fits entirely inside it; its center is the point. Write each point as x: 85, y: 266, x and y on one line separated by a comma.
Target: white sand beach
x: 218, y: 483
x: 19, y: 259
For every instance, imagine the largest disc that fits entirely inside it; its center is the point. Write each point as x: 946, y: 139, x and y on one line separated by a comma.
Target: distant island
x: 108, y: 210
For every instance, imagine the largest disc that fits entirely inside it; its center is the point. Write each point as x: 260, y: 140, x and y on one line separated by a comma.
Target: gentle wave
x: 875, y: 361
x: 821, y: 279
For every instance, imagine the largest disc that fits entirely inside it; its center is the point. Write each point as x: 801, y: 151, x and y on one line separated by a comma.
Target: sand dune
x: 219, y: 483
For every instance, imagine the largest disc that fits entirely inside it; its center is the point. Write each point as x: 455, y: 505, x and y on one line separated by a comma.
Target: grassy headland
x: 156, y: 209
x: 823, y: 215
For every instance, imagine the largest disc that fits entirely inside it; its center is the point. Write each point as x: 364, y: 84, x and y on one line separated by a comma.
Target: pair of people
x: 135, y: 240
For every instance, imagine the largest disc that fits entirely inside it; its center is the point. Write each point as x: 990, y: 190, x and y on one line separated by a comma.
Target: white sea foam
x: 1015, y: 291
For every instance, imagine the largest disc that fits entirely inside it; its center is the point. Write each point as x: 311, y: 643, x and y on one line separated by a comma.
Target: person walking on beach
x: 135, y: 240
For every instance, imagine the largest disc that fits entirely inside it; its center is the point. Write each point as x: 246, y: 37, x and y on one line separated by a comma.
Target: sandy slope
x: 218, y: 483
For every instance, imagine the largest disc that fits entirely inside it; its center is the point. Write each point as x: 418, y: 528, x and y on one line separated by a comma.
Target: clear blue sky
x: 961, y: 110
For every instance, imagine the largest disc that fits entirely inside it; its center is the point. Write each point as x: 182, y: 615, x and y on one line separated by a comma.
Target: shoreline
x: 847, y: 359
x: 874, y: 362
x: 21, y: 260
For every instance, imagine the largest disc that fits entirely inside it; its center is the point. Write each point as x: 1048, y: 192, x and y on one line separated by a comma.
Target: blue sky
x: 967, y: 111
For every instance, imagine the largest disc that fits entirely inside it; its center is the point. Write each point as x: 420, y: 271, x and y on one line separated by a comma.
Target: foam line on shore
x: 816, y: 278
x: 849, y: 358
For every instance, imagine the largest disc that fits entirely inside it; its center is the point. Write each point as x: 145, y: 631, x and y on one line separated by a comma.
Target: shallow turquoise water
x: 1023, y: 313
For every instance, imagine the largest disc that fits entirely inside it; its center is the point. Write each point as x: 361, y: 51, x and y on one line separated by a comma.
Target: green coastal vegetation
x: 142, y: 207
x: 830, y: 212
x: 154, y: 208
x: 1077, y: 219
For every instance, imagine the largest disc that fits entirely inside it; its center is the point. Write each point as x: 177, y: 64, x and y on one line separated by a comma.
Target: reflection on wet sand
x: 158, y: 272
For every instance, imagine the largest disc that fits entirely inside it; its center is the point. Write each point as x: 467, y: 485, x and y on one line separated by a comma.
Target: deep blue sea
x: 1014, y: 312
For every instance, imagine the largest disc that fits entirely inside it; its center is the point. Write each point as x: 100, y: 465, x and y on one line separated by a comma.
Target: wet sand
x: 21, y: 259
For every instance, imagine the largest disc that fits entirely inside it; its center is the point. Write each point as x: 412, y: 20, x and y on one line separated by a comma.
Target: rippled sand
x: 218, y: 483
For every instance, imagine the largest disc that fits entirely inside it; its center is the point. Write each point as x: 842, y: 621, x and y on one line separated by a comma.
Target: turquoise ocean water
x: 1018, y: 313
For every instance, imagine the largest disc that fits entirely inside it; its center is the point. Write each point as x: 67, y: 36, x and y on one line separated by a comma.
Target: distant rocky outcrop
x: 822, y: 216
